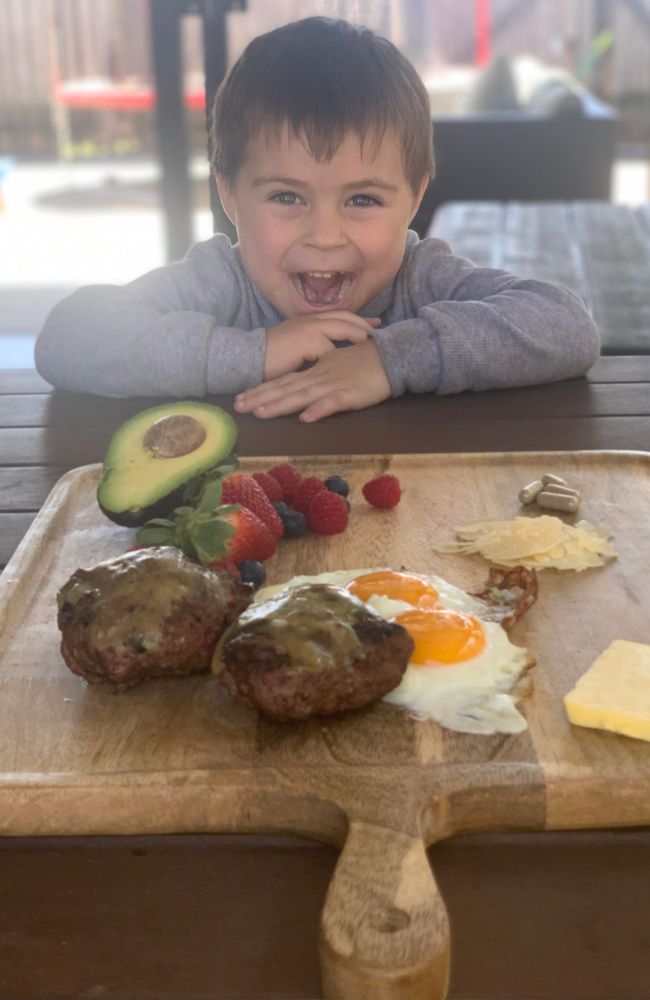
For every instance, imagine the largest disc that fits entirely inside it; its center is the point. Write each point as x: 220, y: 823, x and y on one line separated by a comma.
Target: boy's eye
x: 285, y: 198
x: 363, y: 201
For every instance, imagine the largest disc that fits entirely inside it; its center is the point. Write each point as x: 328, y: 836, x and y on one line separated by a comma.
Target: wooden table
x: 600, y: 250
x: 217, y: 916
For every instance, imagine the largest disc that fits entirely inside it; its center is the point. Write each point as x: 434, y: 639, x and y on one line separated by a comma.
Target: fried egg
x: 463, y: 670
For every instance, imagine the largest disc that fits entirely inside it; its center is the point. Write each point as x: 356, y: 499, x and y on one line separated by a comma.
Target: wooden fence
x: 43, y: 41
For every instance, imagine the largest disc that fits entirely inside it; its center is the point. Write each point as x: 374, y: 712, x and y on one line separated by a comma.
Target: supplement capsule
x: 565, y: 491
x: 548, y: 477
x: 528, y: 493
x: 558, y: 501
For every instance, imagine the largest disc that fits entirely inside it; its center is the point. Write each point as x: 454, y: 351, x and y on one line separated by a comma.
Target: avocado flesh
x: 141, y: 478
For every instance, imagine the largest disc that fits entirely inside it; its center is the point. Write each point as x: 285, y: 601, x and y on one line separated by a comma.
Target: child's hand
x: 307, y: 338
x: 349, y: 379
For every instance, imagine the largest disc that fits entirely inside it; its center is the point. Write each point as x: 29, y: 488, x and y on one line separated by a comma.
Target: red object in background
x: 482, y: 25
x: 106, y: 95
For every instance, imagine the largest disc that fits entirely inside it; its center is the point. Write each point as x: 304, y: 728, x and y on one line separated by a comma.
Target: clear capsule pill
x: 528, y: 493
x: 558, y: 501
x: 548, y: 478
x: 565, y: 491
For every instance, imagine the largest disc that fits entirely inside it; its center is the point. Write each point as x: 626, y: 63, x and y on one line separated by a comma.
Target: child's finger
x: 248, y: 402
x: 348, y: 317
x: 328, y: 404
x: 289, y: 402
x: 294, y: 394
x: 263, y: 393
x: 346, y: 331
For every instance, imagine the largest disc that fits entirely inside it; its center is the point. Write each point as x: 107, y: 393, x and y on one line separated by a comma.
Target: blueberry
x: 337, y: 484
x: 281, y: 507
x: 252, y: 571
x: 294, y: 523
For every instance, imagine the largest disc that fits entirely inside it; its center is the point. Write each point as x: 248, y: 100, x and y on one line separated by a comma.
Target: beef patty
x: 313, y: 650
x: 149, y: 613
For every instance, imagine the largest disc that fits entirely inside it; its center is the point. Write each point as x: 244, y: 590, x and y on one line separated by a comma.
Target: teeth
x: 321, y: 274
x: 331, y: 297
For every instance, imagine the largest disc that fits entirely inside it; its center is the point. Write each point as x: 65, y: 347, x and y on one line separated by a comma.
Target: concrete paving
x: 67, y: 225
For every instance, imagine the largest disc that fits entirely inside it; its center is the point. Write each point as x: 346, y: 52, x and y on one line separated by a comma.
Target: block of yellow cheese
x: 614, y: 693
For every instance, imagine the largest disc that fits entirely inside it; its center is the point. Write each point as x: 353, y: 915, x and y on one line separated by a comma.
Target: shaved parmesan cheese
x: 537, y: 543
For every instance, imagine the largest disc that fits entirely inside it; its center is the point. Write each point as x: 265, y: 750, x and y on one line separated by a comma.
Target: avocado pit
x: 174, y: 435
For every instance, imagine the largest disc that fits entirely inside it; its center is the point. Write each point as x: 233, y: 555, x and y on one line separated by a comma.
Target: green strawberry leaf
x: 151, y: 534
x: 229, y: 464
x: 194, y: 487
x: 211, y: 496
x: 211, y: 539
x: 180, y: 512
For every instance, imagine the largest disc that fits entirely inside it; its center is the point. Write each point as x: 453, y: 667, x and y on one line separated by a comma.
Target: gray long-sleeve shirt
x: 198, y: 327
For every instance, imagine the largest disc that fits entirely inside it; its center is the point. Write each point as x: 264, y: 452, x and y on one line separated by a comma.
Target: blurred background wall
x: 80, y: 165
x: 47, y: 46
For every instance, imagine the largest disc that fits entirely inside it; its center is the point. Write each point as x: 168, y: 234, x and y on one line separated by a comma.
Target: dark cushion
x: 553, y: 98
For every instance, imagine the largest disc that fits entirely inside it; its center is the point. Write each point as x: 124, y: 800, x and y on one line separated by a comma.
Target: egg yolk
x: 442, y: 635
x: 396, y: 586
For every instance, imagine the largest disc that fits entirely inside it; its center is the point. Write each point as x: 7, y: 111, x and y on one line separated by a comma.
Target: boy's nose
x: 324, y: 230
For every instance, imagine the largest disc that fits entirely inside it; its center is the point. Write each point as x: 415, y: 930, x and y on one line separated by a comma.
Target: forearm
x: 105, y: 340
x: 528, y: 333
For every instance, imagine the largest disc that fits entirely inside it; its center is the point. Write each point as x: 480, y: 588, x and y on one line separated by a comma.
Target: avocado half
x: 153, y: 455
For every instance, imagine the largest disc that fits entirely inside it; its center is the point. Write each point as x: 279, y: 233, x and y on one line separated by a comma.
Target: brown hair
x: 323, y: 78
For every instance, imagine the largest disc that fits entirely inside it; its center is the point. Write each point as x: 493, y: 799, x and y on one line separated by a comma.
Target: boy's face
x: 321, y: 236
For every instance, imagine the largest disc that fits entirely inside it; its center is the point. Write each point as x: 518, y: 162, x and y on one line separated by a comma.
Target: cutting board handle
x: 384, y: 927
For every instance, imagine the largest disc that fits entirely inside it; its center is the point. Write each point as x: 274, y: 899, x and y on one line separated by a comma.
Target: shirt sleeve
x: 171, y: 332
x: 479, y: 328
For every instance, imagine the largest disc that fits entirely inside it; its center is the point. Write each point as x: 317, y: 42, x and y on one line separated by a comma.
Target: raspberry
x: 327, y: 514
x: 288, y: 477
x: 270, y: 485
x: 383, y: 491
x: 307, y: 490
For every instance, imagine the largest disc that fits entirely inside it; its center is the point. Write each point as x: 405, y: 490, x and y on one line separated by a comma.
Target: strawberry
x: 306, y: 491
x: 327, y: 514
x: 210, y: 531
x: 250, y: 538
x: 270, y: 485
x: 240, y: 488
x: 213, y: 534
x: 382, y: 491
x: 228, y: 564
x: 288, y: 477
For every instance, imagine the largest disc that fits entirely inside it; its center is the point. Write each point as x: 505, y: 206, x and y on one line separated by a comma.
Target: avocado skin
x: 135, y: 429
x: 136, y: 518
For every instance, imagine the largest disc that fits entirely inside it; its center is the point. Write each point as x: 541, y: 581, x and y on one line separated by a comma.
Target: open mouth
x: 322, y: 288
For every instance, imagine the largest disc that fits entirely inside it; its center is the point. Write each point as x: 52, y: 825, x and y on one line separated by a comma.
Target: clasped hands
x: 347, y: 379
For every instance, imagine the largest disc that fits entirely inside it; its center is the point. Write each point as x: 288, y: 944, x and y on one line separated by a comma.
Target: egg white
x: 473, y: 696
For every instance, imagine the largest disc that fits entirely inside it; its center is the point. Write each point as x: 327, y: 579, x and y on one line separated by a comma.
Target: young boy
x: 322, y: 151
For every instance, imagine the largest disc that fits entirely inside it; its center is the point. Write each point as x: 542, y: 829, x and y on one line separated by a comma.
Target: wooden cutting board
x: 180, y: 756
